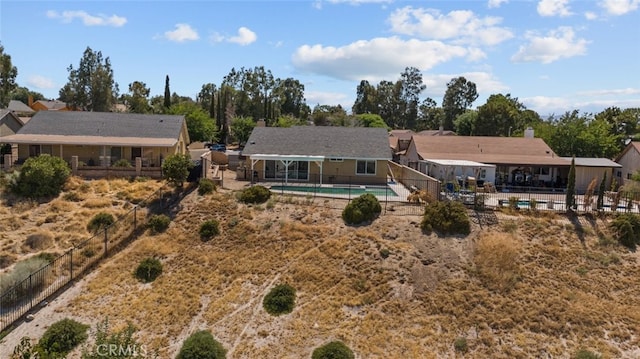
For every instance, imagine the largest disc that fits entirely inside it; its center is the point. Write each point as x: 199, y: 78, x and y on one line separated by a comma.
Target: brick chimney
x: 30, y: 101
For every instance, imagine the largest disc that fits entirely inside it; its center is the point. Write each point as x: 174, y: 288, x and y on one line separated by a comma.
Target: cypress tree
x: 167, y: 93
x: 570, y: 200
x: 600, y: 203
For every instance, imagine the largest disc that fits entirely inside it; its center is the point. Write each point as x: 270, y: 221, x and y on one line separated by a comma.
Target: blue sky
x: 553, y: 55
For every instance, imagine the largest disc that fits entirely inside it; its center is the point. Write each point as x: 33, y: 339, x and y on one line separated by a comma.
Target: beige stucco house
x: 99, y: 139
x: 629, y: 159
x: 319, y: 154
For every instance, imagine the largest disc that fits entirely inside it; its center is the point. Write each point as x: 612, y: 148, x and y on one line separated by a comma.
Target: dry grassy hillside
x: 521, y: 287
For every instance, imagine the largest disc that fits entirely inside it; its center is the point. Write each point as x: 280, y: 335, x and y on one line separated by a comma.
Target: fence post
x: 106, y: 239
x: 70, y: 265
x: 30, y: 292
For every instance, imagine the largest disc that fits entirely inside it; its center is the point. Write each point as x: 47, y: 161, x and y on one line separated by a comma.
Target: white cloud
x: 40, y: 82
x: 589, y: 15
x: 87, y: 19
x: 554, y: 8
x: 244, y: 37
x: 619, y: 7
x: 461, y: 26
x: 182, y: 33
x: 612, y: 92
x: 496, y: 3
x: 375, y: 59
x: 558, y: 44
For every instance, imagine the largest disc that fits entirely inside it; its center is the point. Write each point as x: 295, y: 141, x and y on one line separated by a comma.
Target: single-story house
x: 10, y: 123
x: 629, y: 160
x: 20, y: 108
x: 319, y: 154
x: 589, y: 168
x: 519, y: 161
x: 49, y: 105
x: 102, y: 138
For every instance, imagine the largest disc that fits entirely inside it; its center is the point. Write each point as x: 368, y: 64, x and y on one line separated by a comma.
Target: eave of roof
x: 89, y: 140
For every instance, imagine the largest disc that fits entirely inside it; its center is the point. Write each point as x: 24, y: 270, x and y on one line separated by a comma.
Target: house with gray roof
x: 10, y: 123
x: 102, y: 138
x: 319, y: 154
x: 20, y: 108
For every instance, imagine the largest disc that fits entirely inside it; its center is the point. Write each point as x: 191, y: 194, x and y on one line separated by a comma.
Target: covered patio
x: 294, y: 167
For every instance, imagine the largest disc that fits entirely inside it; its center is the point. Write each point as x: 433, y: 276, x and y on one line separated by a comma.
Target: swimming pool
x: 337, y: 190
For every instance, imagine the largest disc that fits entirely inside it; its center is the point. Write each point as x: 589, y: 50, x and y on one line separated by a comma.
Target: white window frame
x: 366, y: 167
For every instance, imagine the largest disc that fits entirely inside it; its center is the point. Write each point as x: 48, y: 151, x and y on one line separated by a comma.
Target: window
x: 297, y: 170
x: 628, y: 175
x: 618, y: 173
x: 335, y: 159
x: 364, y: 167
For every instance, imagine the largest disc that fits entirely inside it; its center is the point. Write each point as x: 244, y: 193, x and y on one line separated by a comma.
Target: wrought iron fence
x: 38, y: 286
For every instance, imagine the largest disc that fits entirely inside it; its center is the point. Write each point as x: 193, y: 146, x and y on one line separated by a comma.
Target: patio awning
x: 459, y: 163
x: 287, y: 158
x: 89, y: 140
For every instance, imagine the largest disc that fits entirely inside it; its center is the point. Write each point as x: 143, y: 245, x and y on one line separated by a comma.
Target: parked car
x: 221, y: 147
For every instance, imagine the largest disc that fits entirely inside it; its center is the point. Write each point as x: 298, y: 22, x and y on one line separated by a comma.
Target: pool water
x: 354, y: 191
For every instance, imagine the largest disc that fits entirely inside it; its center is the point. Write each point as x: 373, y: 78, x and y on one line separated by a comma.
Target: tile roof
x: 100, y: 128
x: 328, y: 141
x: 485, y: 149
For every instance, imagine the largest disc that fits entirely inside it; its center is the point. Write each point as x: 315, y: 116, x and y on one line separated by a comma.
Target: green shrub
x: 201, y: 345
x: 206, y: 186
x: 255, y: 194
x: 586, y: 354
x: 280, y: 300
x: 363, y: 208
x: 61, y: 337
x: 209, y: 229
x: 104, y: 337
x: 100, y: 221
x: 122, y: 163
x: 13, y: 283
x: 159, y: 223
x: 446, y: 218
x: 42, y: 176
x: 148, y: 270
x: 460, y: 345
x: 333, y: 350
x: 175, y: 169
x: 626, y: 229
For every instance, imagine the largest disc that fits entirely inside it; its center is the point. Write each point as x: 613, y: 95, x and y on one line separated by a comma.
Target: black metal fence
x: 34, y: 289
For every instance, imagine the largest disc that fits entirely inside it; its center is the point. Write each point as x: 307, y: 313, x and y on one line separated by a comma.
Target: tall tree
x: 430, y: 116
x: 205, y: 98
x: 167, y: 93
x: 499, y: 116
x: 91, y: 86
x: 465, y: 124
x: 138, y: 98
x: 459, y: 96
x: 365, y: 99
x: 200, y: 126
x: 289, y: 94
x: 411, y: 86
x: 8, y: 74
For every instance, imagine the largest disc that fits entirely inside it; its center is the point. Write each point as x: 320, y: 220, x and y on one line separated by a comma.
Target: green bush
x: 159, y: 223
x: 61, y: 337
x: 384, y: 253
x: 148, y: 270
x: 446, y: 218
x: 100, y: 221
x: 626, y: 229
x: 460, y: 345
x: 255, y: 194
x: 175, y: 169
x: 280, y: 300
x: 122, y: 163
x: 333, y: 350
x: 206, y: 186
x: 209, y: 229
x: 104, y: 337
x: 201, y: 345
x: 586, y: 354
x: 42, y: 176
x: 363, y: 208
